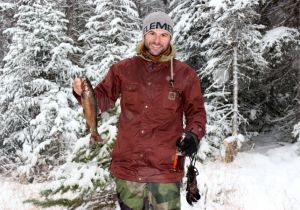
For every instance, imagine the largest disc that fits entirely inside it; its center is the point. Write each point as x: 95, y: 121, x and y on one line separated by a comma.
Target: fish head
x: 86, y: 85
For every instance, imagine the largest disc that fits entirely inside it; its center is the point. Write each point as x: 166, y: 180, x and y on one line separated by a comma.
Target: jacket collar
x: 163, y: 58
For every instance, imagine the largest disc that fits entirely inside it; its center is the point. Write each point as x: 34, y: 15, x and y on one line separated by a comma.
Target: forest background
x: 247, y: 54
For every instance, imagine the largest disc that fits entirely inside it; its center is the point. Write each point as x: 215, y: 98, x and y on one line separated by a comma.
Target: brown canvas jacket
x: 151, y: 118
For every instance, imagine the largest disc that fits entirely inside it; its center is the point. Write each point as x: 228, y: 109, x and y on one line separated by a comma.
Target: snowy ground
x: 13, y: 194
x: 255, y: 181
x: 266, y: 178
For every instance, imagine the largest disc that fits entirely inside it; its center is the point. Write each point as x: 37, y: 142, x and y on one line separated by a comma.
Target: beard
x: 160, y: 50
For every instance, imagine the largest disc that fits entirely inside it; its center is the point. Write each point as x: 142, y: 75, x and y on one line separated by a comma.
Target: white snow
x: 239, y: 138
x: 13, y: 194
x: 254, y: 181
x: 217, y: 4
x: 4, y: 6
x: 296, y: 131
x: 278, y: 33
x: 266, y: 178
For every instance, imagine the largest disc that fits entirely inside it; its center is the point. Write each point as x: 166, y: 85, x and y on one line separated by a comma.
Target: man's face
x: 157, y: 41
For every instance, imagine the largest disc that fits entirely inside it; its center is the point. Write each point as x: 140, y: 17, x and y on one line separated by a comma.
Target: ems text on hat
x: 158, y: 25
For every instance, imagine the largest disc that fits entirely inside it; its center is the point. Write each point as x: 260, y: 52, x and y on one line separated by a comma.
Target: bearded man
x: 161, y: 106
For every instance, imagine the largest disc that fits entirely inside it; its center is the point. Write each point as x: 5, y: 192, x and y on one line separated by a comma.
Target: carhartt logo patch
x: 172, y: 96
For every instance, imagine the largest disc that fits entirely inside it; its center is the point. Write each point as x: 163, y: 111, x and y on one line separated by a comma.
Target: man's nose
x: 156, y: 39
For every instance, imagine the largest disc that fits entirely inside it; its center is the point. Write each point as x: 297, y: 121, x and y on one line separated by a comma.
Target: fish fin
x: 96, y: 138
x: 87, y: 126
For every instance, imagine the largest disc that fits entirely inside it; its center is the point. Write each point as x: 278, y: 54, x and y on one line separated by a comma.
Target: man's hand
x: 77, y: 86
x: 188, y: 143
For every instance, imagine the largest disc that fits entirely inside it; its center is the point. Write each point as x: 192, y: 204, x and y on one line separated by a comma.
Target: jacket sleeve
x: 194, y: 109
x: 108, y: 90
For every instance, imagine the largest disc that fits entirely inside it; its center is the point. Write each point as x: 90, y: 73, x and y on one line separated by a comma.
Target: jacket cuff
x: 198, y: 131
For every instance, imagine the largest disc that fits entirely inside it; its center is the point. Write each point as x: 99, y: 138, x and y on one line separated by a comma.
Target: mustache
x: 150, y: 43
x: 155, y: 43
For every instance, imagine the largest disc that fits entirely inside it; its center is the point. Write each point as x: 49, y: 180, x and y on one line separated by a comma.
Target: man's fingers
x: 77, y: 85
x: 77, y: 81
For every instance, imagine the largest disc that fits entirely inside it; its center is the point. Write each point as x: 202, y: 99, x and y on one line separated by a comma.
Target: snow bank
x: 255, y: 180
x: 13, y: 194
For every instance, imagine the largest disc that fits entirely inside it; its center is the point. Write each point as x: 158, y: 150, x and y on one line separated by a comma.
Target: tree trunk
x: 297, y: 62
x: 70, y: 17
x: 235, y: 94
x: 231, y: 147
x: 296, y: 65
x: 230, y: 150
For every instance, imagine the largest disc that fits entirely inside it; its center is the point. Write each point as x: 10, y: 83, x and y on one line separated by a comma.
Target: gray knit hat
x: 158, y: 20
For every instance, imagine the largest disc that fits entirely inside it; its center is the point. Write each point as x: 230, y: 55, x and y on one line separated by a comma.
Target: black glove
x: 192, y: 194
x: 188, y: 143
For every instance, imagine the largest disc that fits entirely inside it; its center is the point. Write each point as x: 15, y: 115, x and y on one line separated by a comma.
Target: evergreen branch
x: 55, y: 202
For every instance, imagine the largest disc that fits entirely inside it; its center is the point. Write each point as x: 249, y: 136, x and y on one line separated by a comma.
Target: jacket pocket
x: 129, y: 93
x: 121, y: 153
x: 172, y: 99
x: 164, y: 159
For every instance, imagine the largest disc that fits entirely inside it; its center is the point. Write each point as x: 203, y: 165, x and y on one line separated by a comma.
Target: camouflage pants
x: 148, y: 196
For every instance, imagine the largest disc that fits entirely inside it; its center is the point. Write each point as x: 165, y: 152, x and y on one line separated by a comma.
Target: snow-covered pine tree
x: 84, y: 181
x: 192, y: 21
x: 218, y: 125
x: 7, y: 11
x: 281, y: 13
x: 282, y: 50
x: 77, y: 13
x: 235, y: 24
x: 281, y: 82
x: 37, y: 125
x: 147, y: 6
x: 111, y: 35
x: 234, y: 27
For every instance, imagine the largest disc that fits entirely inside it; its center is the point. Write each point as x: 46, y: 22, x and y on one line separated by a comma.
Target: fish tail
x: 96, y: 138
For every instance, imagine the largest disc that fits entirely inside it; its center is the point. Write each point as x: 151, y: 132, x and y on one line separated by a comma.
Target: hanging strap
x: 172, y: 73
x: 193, y: 194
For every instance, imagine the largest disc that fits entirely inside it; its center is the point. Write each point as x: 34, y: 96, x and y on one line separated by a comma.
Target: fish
x: 90, y: 109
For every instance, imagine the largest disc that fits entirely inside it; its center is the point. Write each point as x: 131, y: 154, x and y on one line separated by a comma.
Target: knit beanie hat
x: 158, y: 20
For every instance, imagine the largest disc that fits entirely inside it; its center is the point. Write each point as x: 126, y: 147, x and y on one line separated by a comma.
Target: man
x: 156, y: 92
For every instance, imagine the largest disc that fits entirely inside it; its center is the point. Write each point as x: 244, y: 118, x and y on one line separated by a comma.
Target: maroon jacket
x: 151, y: 118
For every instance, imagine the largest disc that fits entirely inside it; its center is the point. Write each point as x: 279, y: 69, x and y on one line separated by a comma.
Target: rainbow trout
x: 90, y: 109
